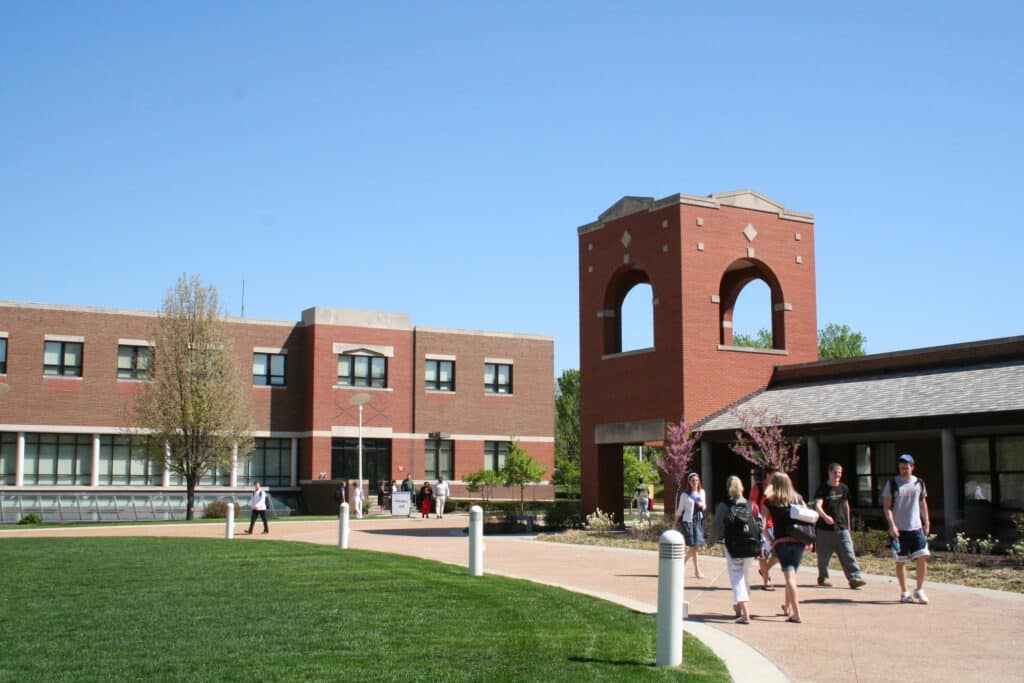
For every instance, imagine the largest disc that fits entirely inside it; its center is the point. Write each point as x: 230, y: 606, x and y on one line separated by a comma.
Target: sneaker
x: 857, y: 583
x: 920, y: 596
x: 905, y: 597
x: 824, y: 583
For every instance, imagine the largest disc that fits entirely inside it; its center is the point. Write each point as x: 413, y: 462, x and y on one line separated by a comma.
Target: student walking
x: 766, y: 560
x: 690, y: 517
x: 832, y: 501
x: 906, y: 509
x: 737, y: 522
x: 258, y: 505
x: 441, y: 492
x: 788, y: 549
x: 357, y: 498
x: 425, y: 499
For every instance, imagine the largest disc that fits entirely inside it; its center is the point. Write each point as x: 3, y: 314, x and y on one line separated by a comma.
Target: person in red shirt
x: 766, y: 559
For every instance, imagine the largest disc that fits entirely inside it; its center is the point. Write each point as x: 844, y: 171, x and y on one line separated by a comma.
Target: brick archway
x: 738, y: 275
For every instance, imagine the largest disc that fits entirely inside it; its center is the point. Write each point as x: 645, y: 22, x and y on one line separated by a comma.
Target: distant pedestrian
x: 906, y: 509
x: 341, y: 493
x: 441, y: 492
x: 641, y: 502
x: 258, y: 505
x: 737, y: 522
x: 380, y: 493
x: 357, y: 498
x: 426, y: 497
x: 832, y: 501
x: 690, y: 517
x: 767, y: 559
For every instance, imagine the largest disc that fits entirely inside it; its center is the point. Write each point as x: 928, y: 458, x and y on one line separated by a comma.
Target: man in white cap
x: 906, y: 509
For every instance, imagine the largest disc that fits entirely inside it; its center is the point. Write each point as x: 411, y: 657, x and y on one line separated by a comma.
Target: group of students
x: 429, y: 497
x: 769, y: 510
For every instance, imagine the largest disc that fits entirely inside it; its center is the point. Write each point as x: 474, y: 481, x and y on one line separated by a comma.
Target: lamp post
x: 360, y: 400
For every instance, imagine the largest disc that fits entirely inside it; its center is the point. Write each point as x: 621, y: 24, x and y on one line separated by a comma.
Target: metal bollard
x: 671, y: 553
x: 229, y: 521
x: 343, y: 526
x: 476, y: 541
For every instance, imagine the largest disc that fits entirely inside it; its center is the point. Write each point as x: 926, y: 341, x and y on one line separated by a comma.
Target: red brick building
x: 442, y: 402
x: 696, y: 254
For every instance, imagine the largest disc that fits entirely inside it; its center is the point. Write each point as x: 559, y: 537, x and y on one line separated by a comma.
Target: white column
x: 813, y: 466
x: 706, y: 472
x: 229, y: 521
x: 295, y: 463
x: 94, y: 479
x: 343, y: 526
x: 233, y: 477
x: 19, y: 461
x: 669, y: 642
x: 165, y: 480
x: 950, y: 486
x: 476, y: 541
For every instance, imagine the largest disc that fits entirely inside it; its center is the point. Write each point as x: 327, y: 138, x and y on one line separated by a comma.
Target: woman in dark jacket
x: 788, y: 549
x: 426, y: 497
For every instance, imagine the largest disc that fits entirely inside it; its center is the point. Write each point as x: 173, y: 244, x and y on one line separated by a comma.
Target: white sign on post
x: 401, y: 502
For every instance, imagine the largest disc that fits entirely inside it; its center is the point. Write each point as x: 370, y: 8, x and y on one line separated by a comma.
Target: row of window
x: 439, y: 457
x: 991, y: 468
x: 66, y: 460
x: 64, y: 359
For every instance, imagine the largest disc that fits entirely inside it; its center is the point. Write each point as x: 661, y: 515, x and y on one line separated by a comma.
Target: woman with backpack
x: 736, y: 521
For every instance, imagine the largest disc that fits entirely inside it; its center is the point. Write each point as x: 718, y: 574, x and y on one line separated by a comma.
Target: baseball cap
x: 907, y: 457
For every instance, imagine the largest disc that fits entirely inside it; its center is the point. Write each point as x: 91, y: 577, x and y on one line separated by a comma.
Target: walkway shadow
x: 846, y: 601
x: 418, y: 532
x: 641, y: 576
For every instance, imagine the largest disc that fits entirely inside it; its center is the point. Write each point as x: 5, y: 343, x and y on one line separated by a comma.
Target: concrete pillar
x: 165, y: 480
x: 671, y: 553
x: 94, y: 473
x: 19, y: 461
x: 814, y: 479
x: 706, y: 472
x: 343, y: 530
x: 233, y: 475
x: 229, y: 521
x: 476, y: 541
x: 950, y: 486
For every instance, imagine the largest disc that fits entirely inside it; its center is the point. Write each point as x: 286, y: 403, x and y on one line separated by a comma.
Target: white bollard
x: 671, y: 553
x: 343, y: 526
x: 476, y: 541
x: 229, y: 521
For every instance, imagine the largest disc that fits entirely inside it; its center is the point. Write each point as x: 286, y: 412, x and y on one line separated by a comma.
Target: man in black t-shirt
x: 832, y: 501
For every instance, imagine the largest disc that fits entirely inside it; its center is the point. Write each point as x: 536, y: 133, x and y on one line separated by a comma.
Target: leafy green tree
x: 567, y: 431
x: 482, y: 480
x: 761, y: 340
x: 839, y: 341
x: 521, y: 469
x: 634, y: 469
x: 197, y: 408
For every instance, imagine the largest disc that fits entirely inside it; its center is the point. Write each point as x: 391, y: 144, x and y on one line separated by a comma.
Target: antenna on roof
x: 243, y: 298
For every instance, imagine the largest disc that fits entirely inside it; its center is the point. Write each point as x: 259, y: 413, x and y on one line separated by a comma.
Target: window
x: 992, y: 468
x: 62, y: 358
x: 270, y: 464
x: 268, y: 369
x: 134, y: 362
x: 123, y: 462
x: 438, y: 460
x: 3, y: 355
x: 8, y: 457
x: 876, y: 464
x: 58, y: 459
x: 440, y: 375
x: 362, y: 371
x: 497, y: 378
x: 495, y: 455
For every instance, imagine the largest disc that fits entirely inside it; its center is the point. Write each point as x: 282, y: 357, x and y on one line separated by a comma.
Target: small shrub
x: 872, y: 542
x: 218, y: 509
x: 961, y: 544
x: 563, y: 515
x: 601, y: 522
x: 31, y: 518
x: 986, y: 545
x: 1017, y: 552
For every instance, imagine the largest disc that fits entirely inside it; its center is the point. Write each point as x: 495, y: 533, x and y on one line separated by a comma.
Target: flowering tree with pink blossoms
x: 760, y: 441
x: 680, y: 444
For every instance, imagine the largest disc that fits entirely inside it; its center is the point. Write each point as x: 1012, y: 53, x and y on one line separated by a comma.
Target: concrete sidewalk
x: 865, y: 635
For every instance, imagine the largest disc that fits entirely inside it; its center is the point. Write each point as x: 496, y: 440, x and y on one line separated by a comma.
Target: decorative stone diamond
x: 749, y: 232
x: 626, y: 239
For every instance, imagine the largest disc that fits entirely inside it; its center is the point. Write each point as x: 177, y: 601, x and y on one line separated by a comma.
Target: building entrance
x: 376, y: 460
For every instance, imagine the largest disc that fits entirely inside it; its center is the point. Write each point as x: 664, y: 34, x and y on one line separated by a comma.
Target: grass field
x: 200, y: 609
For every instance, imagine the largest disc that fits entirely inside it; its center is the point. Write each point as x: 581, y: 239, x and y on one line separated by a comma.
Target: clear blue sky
x: 436, y: 158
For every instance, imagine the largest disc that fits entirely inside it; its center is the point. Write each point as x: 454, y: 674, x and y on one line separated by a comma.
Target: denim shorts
x: 789, y: 554
x: 913, y: 544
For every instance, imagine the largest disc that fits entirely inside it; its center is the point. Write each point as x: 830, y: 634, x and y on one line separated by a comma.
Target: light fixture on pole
x: 360, y: 400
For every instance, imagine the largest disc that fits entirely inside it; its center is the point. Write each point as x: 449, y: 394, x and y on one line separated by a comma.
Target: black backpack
x: 742, y: 531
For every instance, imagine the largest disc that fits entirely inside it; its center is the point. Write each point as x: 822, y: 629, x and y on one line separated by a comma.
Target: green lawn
x: 202, y: 609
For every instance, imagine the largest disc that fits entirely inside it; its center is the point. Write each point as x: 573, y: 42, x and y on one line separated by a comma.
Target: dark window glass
x: 440, y: 375
x: 268, y: 369
x: 875, y: 465
x: 123, y: 462
x: 362, y: 371
x: 495, y: 455
x: 270, y: 463
x: 438, y: 459
x: 8, y: 457
x: 52, y: 459
x: 3, y: 355
x: 62, y: 358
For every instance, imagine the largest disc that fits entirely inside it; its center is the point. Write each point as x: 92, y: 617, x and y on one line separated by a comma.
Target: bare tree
x: 197, y: 407
x: 760, y: 441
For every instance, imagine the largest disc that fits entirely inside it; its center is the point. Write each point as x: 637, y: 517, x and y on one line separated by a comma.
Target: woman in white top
x: 258, y: 505
x: 690, y: 506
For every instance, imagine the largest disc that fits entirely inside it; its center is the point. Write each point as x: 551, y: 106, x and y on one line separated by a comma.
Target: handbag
x: 804, y: 519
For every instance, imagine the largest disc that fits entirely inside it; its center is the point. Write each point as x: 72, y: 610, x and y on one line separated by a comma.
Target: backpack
x: 742, y: 531
x: 894, y: 486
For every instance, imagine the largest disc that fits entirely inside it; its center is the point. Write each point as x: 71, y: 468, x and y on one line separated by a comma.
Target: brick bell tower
x: 697, y: 254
